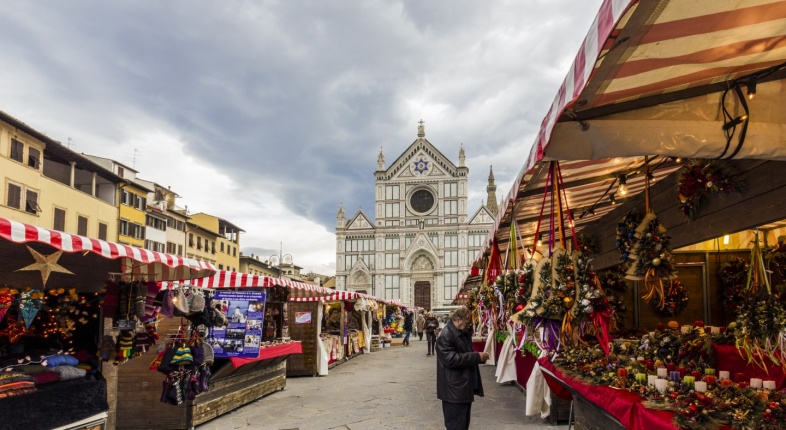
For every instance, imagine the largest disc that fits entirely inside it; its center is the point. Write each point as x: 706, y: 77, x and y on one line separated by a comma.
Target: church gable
x: 360, y: 221
x: 421, y: 159
x: 482, y: 216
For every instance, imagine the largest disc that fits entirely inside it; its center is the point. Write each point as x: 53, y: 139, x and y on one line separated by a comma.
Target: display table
x: 727, y: 357
x: 602, y: 407
x: 269, y: 352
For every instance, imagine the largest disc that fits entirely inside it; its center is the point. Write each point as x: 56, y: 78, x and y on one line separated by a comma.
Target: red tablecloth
x: 623, y: 405
x: 269, y: 352
x: 727, y: 357
x: 524, y: 365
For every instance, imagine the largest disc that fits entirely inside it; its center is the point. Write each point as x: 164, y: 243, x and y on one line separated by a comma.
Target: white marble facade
x: 421, y: 233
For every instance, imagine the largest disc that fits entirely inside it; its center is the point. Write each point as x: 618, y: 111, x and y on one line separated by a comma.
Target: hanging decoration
x: 626, y: 230
x: 674, y: 302
x: 733, y: 278
x: 30, y: 302
x: 701, y: 178
x: 46, y: 264
x: 6, y: 300
x: 777, y: 258
x: 651, y: 259
x: 761, y: 318
x: 613, y: 283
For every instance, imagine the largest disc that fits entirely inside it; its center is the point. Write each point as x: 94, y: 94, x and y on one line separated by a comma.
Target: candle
x: 685, y: 329
x: 739, y: 377
x: 709, y: 371
x: 723, y: 329
x: 723, y: 374
x: 770, y: 385
x: 623, y: 372
x: 700, y: 386
x: 743, y: 384
x: 641, y: 378
x: 663, y: 372
x: 671, y: 367
x: 674, y: 376
x: 682, y: 370
x: 688, y: 380
x: 726, y: 382
x: 696, y: 374
x: 650, y: 364
x: 651, y: 379
x: 661, y: 385
x: 716, y: 330
x: 756, y: 383
x: 640, y: 359
x: 710, y: 379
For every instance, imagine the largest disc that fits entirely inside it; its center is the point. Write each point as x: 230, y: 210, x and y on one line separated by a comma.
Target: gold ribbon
x: 654, y: 287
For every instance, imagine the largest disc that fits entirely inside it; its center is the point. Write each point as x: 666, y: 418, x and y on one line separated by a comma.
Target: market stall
x: 653, y: 83
x: 56, y: 288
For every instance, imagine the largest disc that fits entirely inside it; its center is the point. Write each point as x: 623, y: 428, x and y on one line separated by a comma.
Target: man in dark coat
x: 458, y: 374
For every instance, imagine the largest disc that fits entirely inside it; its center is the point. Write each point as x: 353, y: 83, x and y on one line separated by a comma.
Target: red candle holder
x: 743, y: 384
x: 682, y: 371
x: 696, y: 374
x: 671, y: 367
x: 740, y: 377
x: 623, y: 372
x: 650, y: 364
x: 726, y: 382
x: 710, y: 379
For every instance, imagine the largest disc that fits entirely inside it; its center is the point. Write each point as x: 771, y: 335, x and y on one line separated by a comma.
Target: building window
x: 17, y: 150
x: 392, y: 290
x: 451, y: 207
x: 199, y: 243
x: 408, y: 241
x: 392, y: 210
x: 154, y: 246
x: 222, y: 246
x: 125, y: 197
x: 156, y: 223
x: 349, y: 261
x: 190, y: 240
x: 476, y: 239
x: 358, y: 245
x: 33, y: 158
x: 180, y: 250
x: 213, y: 247
x: 451, y: 258
x: 220, y: 267
x: 102, y: 231
x: 171, y: 247
x: 120, y: 171
x: 451, y: 189
x: 60, y: 217
x: 451, y: 286
x: 369, y: 260
x: 434, y: 240
x: 451, y: 241
x: 31, y: 202
x: 81, y: 225
x: 139, y: 202
x: 234, y: 252
x: 123, y: 228
x: 138, y: 231
x: 392, y: 192
x: 391, y: 261
x: 14, y: 196
x: 392, y: 244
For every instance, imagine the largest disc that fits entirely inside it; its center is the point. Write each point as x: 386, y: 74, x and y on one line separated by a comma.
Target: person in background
x: 420, y: 324
x: 458, y: 374
x: 408, y: 322
x: 431, y: 326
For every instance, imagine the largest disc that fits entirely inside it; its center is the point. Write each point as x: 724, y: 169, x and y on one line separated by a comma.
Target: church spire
x: 491, y: 188
x: 421, y: 129
x: 462, y: 157
x: 380, y: 160
x: 341, y: 217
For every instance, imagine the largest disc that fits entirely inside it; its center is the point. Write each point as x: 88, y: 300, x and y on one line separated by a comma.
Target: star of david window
x: 422, y: 201
x: 421, y: 166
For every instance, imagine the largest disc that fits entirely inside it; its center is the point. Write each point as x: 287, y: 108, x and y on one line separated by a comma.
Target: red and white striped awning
x: 134, y: 261
x: 648, y: 81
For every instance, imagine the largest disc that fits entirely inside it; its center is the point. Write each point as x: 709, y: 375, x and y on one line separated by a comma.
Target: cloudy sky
x: 271, y: 113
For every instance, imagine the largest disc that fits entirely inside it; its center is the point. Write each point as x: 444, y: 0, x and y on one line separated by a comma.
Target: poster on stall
x: 245, y: 311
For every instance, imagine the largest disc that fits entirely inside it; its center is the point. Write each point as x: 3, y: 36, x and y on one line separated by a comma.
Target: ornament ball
x: 656, y: 261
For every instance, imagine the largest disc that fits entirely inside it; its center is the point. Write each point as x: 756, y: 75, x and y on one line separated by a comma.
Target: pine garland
x: 701, y: 178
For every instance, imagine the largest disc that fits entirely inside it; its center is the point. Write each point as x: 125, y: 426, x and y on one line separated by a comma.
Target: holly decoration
x: 613, y: 283
x: 733, y: 278
x: 675, y: 301
x: 702, y: 178
x: 651, y: 258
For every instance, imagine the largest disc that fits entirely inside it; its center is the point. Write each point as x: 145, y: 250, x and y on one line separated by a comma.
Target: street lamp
x: 281, y: 258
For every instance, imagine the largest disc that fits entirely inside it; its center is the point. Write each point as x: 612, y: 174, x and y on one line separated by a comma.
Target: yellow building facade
x: 254, y: 266
x: 200, y: 243
x: 63, y: 191
x: 227, y: 240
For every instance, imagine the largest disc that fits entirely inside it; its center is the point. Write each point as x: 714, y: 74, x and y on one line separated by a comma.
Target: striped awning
x: 134, y: 261
x: 660, y: 78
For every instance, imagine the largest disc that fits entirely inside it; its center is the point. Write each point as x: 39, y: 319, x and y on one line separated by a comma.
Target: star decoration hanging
x: 46, y: 264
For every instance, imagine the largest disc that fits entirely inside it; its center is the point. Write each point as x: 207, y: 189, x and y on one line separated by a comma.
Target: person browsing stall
x: 458, y: 373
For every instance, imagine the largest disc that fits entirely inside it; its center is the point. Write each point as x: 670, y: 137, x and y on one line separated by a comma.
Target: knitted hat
x: 183, y: 356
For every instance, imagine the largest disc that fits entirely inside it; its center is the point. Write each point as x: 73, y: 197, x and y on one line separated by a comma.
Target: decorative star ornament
x: 421, y: 166
x: 46, y: 264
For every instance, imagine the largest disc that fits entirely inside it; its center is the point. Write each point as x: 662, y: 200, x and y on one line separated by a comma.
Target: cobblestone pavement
x: 394, y: 388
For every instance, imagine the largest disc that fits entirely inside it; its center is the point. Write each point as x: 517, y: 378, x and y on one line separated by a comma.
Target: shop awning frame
x: 136, y: 262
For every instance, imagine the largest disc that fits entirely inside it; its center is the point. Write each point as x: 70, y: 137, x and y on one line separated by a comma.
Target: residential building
x: 201, y: 243
x: 48, y: 185
x: 131, y: 201
x: 421, y: 243
x: 165, y: 222
x: 225, y: 246
x: 254, y: 266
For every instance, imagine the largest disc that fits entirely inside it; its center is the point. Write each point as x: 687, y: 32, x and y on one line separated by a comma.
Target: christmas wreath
x: 613, y: 283
x: 702, y: 178
x: 675, y: 301
x: 733, y: 277
x: 626, y: 231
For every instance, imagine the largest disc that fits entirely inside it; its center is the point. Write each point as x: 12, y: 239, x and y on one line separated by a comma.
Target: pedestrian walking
x: 408, y: 322
x: 421, y: 322
x: 458, y: 375
x: 431, y: 326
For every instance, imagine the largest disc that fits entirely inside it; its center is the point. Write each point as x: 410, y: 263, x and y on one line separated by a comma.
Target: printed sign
x: 242, y: 336
x: 302, y: 317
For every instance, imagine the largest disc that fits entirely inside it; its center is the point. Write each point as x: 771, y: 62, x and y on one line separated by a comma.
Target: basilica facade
x: 420, y: 244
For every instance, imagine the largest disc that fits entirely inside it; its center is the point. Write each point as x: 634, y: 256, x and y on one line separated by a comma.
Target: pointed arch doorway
x: 423, y: 294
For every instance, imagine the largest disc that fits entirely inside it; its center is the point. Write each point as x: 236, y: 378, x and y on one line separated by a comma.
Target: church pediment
x: 421, y: 160
x: 360, y: 221
x: 482, y: 216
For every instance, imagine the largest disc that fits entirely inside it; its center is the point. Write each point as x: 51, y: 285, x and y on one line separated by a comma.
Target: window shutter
x: 102, y: 231
x: 81, y: 225
x: 60, y: 215
x: 14, y: 196
x: 31, y: 202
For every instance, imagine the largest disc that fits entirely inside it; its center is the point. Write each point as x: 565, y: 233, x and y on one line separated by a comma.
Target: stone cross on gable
x: 421, y: 128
